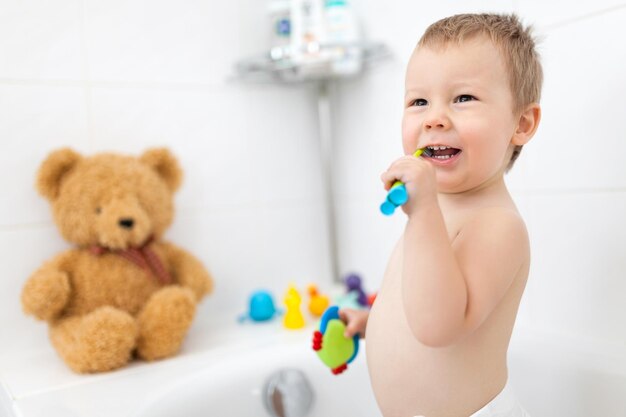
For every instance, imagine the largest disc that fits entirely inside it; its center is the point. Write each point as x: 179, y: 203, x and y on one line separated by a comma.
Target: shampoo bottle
x: 343, y: 38
x: 307, y: 30
x: 279, y: 12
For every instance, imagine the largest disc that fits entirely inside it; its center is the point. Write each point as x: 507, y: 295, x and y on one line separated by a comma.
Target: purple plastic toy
x: 354, y: 283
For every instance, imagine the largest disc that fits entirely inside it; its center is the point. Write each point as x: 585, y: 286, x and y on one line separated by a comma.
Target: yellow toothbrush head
x: 424, y: 151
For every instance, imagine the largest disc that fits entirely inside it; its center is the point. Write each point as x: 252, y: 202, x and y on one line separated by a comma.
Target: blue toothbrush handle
x: 396, y: 196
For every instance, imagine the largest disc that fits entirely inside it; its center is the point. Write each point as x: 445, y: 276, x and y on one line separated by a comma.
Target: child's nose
x: 436, y: 121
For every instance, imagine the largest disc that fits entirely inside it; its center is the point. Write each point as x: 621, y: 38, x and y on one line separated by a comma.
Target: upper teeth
x: 439, y: 148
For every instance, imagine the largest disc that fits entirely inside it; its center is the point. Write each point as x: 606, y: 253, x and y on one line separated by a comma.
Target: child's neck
x: 490, y: 193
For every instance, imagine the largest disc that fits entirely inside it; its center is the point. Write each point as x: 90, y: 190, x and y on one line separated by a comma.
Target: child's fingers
x: 347, y: 316
x: 344, y: 315
x: 351, y: 330
x: 403, y: 169
x: 355, y: 321
x: 390, y: 176
x: 396, y: 171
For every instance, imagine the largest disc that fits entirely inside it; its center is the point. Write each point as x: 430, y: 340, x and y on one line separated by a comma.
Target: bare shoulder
x: 494, y: 232
x: 496, y: 222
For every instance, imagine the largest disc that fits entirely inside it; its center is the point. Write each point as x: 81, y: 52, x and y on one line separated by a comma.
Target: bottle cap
x: 331, y: 3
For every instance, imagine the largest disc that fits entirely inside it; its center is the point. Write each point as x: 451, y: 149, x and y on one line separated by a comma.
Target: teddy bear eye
x: 98, y: 210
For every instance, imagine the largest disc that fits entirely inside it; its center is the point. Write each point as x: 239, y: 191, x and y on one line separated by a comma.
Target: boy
x: 438, y: 333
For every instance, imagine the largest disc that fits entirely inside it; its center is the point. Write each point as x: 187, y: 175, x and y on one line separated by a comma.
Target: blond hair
x: 516, y: 44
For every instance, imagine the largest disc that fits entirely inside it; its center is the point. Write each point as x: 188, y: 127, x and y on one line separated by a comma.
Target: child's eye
x: 419, y: 102
x: 463, y: 98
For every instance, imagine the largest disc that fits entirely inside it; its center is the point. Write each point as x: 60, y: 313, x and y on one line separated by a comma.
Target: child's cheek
x: 474, y: 134
x: 410, y: 135
x: 485, y: 145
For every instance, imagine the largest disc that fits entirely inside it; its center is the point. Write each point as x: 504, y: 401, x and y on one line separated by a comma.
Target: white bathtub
x: 222, y: 373
x: 550, y: 381
x: 235, y: 387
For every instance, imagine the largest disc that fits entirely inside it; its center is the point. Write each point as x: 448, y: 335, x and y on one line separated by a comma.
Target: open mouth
x: 441, y: 152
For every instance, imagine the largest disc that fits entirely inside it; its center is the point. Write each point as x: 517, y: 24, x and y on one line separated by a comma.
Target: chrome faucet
x: 288, y: 393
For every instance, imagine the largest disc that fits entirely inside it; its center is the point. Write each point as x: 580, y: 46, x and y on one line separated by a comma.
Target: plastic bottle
x: 279, y: 12
x: 307, y: 36
x: 343, y: 38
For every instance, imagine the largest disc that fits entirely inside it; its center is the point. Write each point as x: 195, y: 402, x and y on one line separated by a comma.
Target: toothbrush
x: 397, y: 195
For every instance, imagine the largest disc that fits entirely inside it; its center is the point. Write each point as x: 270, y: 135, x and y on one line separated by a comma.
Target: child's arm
x: 449, y: 289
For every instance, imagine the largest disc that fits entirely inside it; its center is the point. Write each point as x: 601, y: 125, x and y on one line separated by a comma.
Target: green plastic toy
x: 334, y: 349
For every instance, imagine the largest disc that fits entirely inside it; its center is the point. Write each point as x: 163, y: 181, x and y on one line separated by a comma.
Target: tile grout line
x: 148, y: 85
x: 583, y: 17
x: 86, y: 79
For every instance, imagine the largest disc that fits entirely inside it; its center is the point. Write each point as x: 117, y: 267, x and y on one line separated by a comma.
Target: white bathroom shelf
x: 271, y: 67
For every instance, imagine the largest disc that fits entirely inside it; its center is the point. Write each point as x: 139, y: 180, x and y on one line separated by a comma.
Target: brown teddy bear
x: 121, y: 290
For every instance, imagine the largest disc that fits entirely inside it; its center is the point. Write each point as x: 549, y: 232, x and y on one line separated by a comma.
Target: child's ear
x: 527, y: 124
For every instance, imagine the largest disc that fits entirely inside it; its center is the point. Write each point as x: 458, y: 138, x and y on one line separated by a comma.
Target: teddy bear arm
x: 189, y: 272
x: 46, y: 292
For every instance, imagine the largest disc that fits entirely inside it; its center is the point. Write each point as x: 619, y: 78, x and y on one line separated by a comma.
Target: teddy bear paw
x: 45, y: 294
x: 100, y: 341
x: 164, y: 321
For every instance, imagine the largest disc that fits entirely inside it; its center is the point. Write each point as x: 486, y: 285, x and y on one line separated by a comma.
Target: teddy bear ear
x: 53, y: 169
x: 165, y: 164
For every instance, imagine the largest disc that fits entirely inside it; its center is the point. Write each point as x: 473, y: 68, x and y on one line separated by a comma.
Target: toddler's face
x: 458, y: 96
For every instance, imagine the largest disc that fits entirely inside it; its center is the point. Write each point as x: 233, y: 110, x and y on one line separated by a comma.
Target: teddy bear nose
x: 127, y: 223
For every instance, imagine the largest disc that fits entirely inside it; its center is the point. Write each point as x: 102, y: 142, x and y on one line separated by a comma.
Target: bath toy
x: 334, y: 349
x: 397, y: 195
x: 261, y: 307
x: 293, y: 317
x: 371, y: 298
x: 354, y: 283
x: 348, y: 300
x: 318, y: 302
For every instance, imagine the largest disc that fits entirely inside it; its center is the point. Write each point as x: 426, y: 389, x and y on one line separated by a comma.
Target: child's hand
x: 355, y: 320
x: 418, y: 177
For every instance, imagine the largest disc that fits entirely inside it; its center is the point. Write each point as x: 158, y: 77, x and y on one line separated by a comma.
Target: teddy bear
x: 121, y: 290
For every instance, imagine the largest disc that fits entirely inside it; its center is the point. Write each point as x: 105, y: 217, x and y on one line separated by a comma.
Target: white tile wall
x: 556, y: 12
x: 579, y: 143
x: 578, y: 266
x: 230, y: 153
x: 34, y: 120
x: 161, y: 41
x: 41, y: 40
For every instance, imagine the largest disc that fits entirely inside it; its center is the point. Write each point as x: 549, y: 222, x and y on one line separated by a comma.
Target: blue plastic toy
x: 348, y: 300
x: 261, y: 306
x: 397, y: 195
